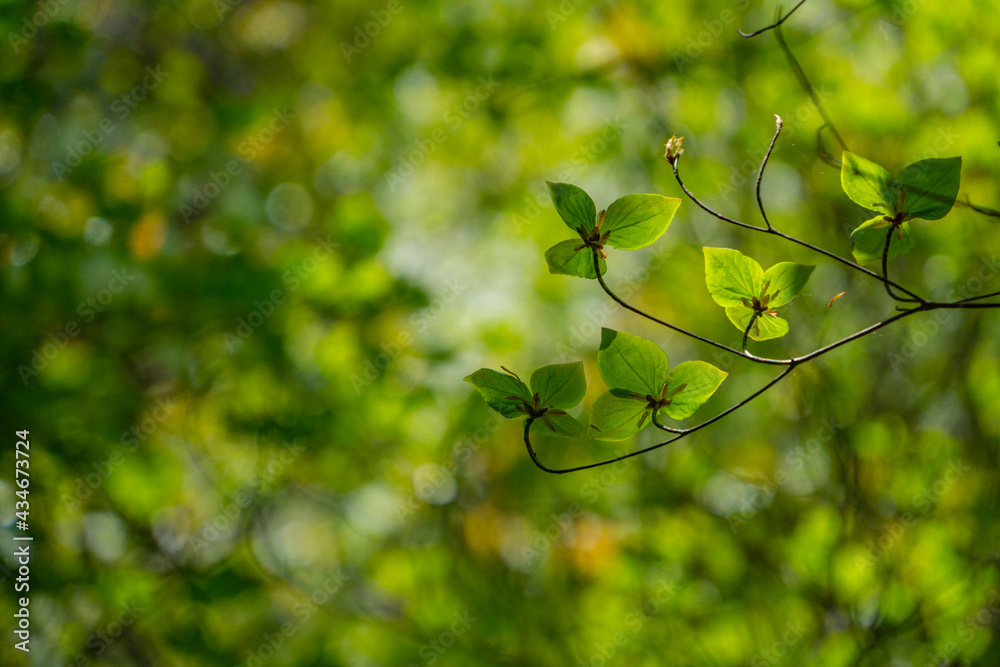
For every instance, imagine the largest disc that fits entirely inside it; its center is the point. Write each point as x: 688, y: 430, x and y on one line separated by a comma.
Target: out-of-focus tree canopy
x: 250, y: 249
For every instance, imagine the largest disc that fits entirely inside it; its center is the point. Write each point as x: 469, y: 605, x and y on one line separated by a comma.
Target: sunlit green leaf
x: 635, y: 221
x: 631, y: 363
x: 868, y: 240
x: 785, y: 281
x: 617, y: 417
x: 930, y: 186
x: 731, y: 276
x: 497, y: 388
x: 765, y: 327
x: 867, y: 183
x: 699, y: 381
x: 560, y: 385
x: 568, y: 258
x: 574, y: 206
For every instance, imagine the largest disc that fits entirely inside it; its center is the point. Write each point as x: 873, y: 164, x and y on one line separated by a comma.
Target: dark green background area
x: 324, y: 215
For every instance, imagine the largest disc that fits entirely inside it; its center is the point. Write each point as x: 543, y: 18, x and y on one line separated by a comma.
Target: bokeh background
x: 249, y: 250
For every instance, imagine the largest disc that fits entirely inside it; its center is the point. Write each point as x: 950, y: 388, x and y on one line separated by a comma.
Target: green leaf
x: 635, y: 221
x: 563, y: 426
x: 699, y: 379
x: 574, y: 206
x: 564, y: 258
x: 931, y: 186
x: 867, y: 183
x: 731, y: 276
x: 868, y: 241
x: 765, y: 328
x: 785, y: 281
x: 560, y: 385
x: 616, y: 417
x: 631, y: 363
x: 497, y: 387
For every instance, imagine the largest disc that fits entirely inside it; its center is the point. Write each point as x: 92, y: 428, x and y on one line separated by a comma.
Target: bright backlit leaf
x: 694, y: 383
x: 765, y: 327
x: 867, y: 183
x: 635, y: 221
x: 560, y: 385
x: 785, y: 281
x: 731, y: 276
x: 631, y: 363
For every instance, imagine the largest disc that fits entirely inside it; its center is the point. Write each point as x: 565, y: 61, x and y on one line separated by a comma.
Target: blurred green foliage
x: 250, y: 250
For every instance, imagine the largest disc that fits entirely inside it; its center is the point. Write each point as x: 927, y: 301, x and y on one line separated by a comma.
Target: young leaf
x: 765, y: 327
x: 868, y: 240
x: 497, y: 388
x: 565, y: 258
x: 785, y: 281
x: 560, y: 386
x: 563, y: 426
x: 731, y: 276
x: 635, y: 221
x: 631, y: 363
x: 574, y: 206
x: 867, y: 183
x: 930, y: 186
x: 616, y: 417
x: 699, y: 379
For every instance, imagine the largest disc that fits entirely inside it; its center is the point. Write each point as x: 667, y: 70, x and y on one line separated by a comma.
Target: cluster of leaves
x: 636, y: 371
x: 750, y: 294
x: 630, y: 223
x: 639, y: 380
x: 925, y: 189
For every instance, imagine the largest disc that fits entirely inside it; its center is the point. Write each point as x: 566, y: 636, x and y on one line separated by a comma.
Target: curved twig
x: 774, y: 25
x: 746, y: 334
x: 760, y: 172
